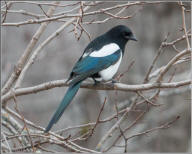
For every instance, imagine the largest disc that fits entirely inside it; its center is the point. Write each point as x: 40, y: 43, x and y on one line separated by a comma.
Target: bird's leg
x: 95, y: 82
x: 114, y: 81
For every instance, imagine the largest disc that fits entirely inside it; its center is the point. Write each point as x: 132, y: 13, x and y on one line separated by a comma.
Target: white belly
x: 109, y: 72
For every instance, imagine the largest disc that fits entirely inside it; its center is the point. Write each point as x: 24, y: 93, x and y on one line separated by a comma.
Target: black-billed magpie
x: 100, y: 61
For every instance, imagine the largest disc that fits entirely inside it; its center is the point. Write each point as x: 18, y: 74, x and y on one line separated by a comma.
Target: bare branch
x: 25, y: 125
x: 116, y: 86
x: 23, y: 59
x: 101, y: 11
x: 171, y: 62
x: 41, y: 46
x: 164, y: 126
x: 184, y: 26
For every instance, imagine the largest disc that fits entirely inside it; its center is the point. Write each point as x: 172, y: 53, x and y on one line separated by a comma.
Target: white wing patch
x: 105, y: 50
x: 108, y: 73
x: 87, y: 53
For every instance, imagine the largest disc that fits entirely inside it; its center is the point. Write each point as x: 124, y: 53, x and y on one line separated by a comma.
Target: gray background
x: 56, y: 60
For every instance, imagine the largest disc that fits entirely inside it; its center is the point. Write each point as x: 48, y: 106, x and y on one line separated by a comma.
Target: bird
x: 99, y: 61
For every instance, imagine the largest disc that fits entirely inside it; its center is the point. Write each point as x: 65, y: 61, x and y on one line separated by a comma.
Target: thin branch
x: 7, y: 142
x: 126, y: 129
x: 70, y: 145
x: 171, y: 62
x: 97, y: 121
x: 164, y: 126
x: 23, y: 59
x: 160, y: 50
x: 165, y: 44
x: 101, y: 11
x: 5, y: 14
x: 147, y: 100
x: 44, y: 3
x: 184, y: 25
x: 41, y: 46
x: 115, y: 126
x: 43, y: 11
x: 23, y: 119
x: 109, y: 86
x: 24, y: 12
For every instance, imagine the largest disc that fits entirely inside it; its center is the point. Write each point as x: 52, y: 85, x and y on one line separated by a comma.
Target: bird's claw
x: 114, y: 81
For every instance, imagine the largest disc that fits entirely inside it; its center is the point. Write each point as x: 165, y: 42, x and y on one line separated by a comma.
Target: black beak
x: 133, y: 38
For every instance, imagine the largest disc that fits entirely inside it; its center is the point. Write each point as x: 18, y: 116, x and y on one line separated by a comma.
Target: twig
x: 41, y: 46
x: 97, y: 121
x: 13, y: 126
x: 24, y: 12
x: 130, y: 126
x: 43, y: 149
x: 101, y: 11
x: 147, y: 100
x: 7, y: 142
x: 44, y: 3
x: 122, y: 74
x: 165, y: 44
x: 160, y: 50
x: 184, y: 25
x: 157, y: 71
x: 164, y: 126
x: 5, y: 14
x: 43, y: 11
x: 70, y: 145
x: 110, y: 131
x: 109, y: 86
x: 124, y: 137
x: 86, y: 32
x: 173, y: 74
x: 171, y: 62
x: 23, y: 59
x: 28, y: 146
x: 23, y: 119
x: 115, y: 126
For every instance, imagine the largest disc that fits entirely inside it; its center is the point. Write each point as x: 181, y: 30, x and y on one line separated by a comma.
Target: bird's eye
x: 127, y: 34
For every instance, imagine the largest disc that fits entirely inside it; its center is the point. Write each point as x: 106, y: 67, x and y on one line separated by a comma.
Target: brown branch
x: 109, y: 86
x: 165, y: 44
x: 5, y: 14
x: 101, y: 11
x: 115, y: 126
x: 122, y: 74
x: 160, y: 50
x: 23, y: 59
x: 171, y: 62
x: 43, y: 11
x: 41, y: 46
x: 163, y: 126
x: 24, y: 12
x: 60, y: 140
x: 97, y: 121
x: 147, y: 100
x: 44, y: 3
x: 184, y: 25
x: 9, y: 148
x: 23, y: 119
x: 126, y: 129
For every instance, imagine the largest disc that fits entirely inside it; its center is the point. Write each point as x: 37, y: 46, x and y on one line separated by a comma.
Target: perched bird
x: 100, y: 61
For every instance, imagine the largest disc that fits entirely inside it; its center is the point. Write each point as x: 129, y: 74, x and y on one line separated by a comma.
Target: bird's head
x: 121, y: 34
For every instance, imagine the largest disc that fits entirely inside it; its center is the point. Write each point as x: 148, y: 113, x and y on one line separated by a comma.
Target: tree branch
x: 23, y: 59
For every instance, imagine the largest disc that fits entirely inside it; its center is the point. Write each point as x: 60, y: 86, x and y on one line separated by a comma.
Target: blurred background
x: 151, y: 24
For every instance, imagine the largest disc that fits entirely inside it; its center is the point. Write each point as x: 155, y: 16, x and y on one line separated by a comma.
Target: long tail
x: 63, y: 105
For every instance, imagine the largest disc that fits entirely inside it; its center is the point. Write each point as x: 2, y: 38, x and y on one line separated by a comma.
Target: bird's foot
x: 114, y: 81
x: 96, y: 82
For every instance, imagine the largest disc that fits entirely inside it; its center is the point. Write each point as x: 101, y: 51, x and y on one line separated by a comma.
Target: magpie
x: 99, y: 61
